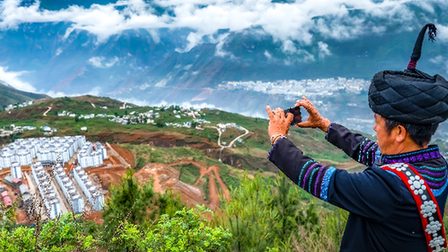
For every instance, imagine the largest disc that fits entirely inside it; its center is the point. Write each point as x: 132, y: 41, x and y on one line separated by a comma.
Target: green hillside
x: 249, y: 153
x: 9, y: 95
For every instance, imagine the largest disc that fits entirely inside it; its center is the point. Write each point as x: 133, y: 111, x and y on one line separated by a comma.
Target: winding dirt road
x: 231, y: 142
x: 212, y: 172
x: 165, y: 176
x: 48, y: 110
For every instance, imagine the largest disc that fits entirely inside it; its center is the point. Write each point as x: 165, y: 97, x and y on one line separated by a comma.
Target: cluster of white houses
x: 46, y: 190
x: 72, y: 196
x: 23, y: 151
x: 92, y: 193
x: 54, y: 152
x: 88, y: 157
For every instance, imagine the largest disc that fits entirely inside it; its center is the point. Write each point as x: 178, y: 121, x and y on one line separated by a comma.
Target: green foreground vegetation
x: 138, y: 219
x: 264, y: 214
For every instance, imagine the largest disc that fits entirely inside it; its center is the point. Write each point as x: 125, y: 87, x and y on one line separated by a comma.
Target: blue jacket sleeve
x: 354, y: 145
x: 373, y: 193
x: 312, y: 176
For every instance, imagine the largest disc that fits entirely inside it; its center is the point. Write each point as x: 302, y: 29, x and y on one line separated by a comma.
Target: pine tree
x: 128, y: 203
x: 247, y: 215
x: 134, y: 204
x: 286, y: 201
x: 263, y: 216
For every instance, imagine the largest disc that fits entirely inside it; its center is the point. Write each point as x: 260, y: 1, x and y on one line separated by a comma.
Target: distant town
x: 318, y: 91
x: 298, y: 88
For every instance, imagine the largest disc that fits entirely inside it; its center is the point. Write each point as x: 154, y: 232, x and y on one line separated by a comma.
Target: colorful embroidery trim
x: 426, y: 202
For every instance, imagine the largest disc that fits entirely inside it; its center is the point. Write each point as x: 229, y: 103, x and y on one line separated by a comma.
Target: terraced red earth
x: 167, y: 177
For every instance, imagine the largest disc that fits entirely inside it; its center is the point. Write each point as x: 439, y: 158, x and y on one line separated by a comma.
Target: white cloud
x: 58, y: 51
x: 185, y: 104
x: 323, y: 49
x: 96, y: 91
x: 193, y: 40
x: 162, y: 83
x: 442, y: 32
x: 289, y: 47
x: 305, y: 56
x: 437, y: 60
x: 219, y: 51
x: 100, y: 62
x: 220, y: 40
x: 440, y: 60
x: 268, y: 55
x: 296, y: 21
x: 134, y: 101
x: 427, y: 7
x: 14, y: 80
x: 154, y: 35
x: 254, y: 114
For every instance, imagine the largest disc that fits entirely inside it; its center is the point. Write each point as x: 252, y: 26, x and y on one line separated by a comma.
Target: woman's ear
x: 400, y: 133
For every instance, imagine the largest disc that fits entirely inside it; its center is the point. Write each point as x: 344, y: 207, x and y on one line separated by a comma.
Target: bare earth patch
x: 167, y: 177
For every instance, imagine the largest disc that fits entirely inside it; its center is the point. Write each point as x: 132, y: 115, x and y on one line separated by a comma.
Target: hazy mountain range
x: 9, y: 95
x: 170, y: 50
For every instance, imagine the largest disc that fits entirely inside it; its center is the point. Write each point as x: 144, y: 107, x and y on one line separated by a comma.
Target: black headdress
x: 411, y: 96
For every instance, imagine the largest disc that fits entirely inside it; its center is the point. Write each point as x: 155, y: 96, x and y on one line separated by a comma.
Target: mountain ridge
x: 10, y: 95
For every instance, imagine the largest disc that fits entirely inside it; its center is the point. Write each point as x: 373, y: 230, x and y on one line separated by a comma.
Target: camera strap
x: 426, y: 203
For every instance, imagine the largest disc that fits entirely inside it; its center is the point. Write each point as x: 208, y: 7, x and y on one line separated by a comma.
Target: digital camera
x: 297, y: 114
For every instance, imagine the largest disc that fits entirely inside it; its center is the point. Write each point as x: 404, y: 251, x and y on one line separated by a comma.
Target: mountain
x: 10, y: 95
x: 176, y: 65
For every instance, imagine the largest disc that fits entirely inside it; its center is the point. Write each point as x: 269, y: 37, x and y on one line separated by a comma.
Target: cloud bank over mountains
x: 14, y: 80
x: 288, y: 21
x: 171, y: 50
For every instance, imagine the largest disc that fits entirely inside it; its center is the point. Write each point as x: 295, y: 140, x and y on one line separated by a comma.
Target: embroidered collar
x: 432, y: 152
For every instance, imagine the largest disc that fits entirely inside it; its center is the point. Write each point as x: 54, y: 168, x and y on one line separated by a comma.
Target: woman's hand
x: 315, y: 120
x: 278, y: 122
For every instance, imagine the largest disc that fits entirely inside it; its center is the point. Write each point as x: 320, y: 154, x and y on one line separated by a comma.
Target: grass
x: 153, y: 154
x: 189, y: 173
x: 139, y: 165
x: 204, y: 187
x: 229, y: 135
x: 226, y: 172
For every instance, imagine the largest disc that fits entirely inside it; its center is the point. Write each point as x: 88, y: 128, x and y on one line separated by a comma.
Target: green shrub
x: 187, y: 230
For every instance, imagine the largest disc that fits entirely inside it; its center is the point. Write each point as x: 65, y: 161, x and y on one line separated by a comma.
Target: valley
x: 199, y: 160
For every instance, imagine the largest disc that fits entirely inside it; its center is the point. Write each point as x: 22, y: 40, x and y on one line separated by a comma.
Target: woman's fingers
x: 289, y: 118
x: 270, y: 113
x: 279, y: 113
x: 306, y: 104
x: 304, y: 124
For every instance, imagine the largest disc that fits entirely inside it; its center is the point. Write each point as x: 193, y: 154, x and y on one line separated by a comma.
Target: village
x: 133, y: 118
x: 53, y: 175
x: 50, y: 176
